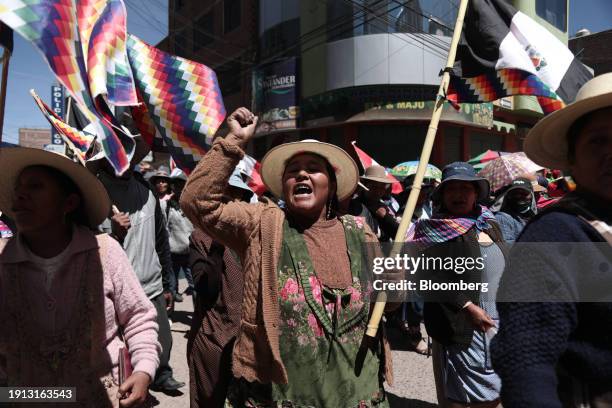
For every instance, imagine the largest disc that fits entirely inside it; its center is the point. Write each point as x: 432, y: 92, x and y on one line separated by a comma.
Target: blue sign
x: 57, y: 104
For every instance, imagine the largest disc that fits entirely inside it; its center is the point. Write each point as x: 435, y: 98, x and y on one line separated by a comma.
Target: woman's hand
x: 134, y: 391
x: 242, y: 124
x: 480, y: 319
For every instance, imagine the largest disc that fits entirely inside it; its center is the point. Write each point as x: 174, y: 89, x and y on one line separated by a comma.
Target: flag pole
x: 67, y: 115
x: 381, y: 299
x: 6, y: 56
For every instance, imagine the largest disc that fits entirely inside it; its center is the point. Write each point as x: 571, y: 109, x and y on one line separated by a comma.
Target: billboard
x: 57, y: 104
x: 275, y: 98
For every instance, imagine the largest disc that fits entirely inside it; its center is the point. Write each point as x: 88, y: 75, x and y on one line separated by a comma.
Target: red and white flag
x: 252, y: 169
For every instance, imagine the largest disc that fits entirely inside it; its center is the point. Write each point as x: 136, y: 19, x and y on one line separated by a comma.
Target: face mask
x: 521, y: 207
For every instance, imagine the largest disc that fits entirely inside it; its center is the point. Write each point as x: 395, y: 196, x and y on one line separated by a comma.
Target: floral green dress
x: 321, y: 336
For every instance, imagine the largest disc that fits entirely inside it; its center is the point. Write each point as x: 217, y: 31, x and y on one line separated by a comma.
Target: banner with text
x: 57, y: 105
x: 275, y: 96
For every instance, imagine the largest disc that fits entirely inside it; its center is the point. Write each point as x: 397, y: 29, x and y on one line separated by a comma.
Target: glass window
x: 376, y: 20
x: 340, y: 20
x: 408, y: 17
x: 363, y: 17
x: 553, y: 11
x: 231, y: 15
x: 279, y: 27
x: 203, y: 31
x: 281, y: 39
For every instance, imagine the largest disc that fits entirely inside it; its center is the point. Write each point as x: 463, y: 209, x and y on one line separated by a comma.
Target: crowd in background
x: 279, y: 311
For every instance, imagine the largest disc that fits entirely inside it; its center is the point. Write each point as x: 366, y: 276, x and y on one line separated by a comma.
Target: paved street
x: 178, y: 358
x: 413, y: 387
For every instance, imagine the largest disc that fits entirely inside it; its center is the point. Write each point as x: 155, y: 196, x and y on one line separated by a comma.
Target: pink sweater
x: 125, y: 303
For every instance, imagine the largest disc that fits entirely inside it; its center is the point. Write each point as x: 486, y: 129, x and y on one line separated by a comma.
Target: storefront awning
x: 504, y: 126
x: 478, y: 115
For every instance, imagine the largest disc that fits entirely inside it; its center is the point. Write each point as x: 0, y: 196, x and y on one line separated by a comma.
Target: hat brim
x: 483, y: 187
x: 377, y: 179
x: 15, y: 159
x: 154, y: 178
x: 274, y: 162
x: 546, y: 143
x: 529, y: 190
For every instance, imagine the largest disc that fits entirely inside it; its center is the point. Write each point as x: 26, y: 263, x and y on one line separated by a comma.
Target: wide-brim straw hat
x: 96, y: 202
x: 547, y: 143
x: 274, y: 162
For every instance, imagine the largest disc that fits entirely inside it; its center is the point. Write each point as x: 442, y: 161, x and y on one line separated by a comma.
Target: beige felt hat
x: 274, y: 162
x: 378, y: 174
x: 546, y: 144
x: 14, y: 159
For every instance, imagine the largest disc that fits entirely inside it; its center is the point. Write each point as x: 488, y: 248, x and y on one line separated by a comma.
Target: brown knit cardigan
x: 255, y: 232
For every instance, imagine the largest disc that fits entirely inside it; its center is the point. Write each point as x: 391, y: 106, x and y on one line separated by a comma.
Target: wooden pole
x: 379, y: 307
x: 67, y: 113
x: 6, y: 56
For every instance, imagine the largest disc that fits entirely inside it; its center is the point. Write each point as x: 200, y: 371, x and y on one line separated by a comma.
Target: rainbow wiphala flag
x: 498, y: 84
x: 102, y: 27
x: 77, y: 140
x: 51, y: 25
x: 183, y: 99
x: 146, y: 127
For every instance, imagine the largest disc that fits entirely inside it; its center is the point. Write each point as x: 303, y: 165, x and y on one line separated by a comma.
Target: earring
x: 329, y: 204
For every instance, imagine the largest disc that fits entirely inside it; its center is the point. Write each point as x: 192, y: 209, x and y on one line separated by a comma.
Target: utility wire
x: 421, y: 38
x: 430, y: 42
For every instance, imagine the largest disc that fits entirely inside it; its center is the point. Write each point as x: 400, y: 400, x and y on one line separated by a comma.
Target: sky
x: 148, y: 19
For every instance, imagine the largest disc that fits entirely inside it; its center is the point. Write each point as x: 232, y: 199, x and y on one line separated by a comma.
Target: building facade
x: 223, y: 36
x: 35, y: 138
x: 593, y: 50
x: 350, y: 70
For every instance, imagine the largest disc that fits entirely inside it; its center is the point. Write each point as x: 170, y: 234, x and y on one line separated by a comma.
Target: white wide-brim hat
x: 274, y: 163
x: 547, y: 143
x: 14, y: 160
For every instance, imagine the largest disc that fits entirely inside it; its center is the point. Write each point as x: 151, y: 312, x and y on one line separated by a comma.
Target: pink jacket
x: 125, y: 303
